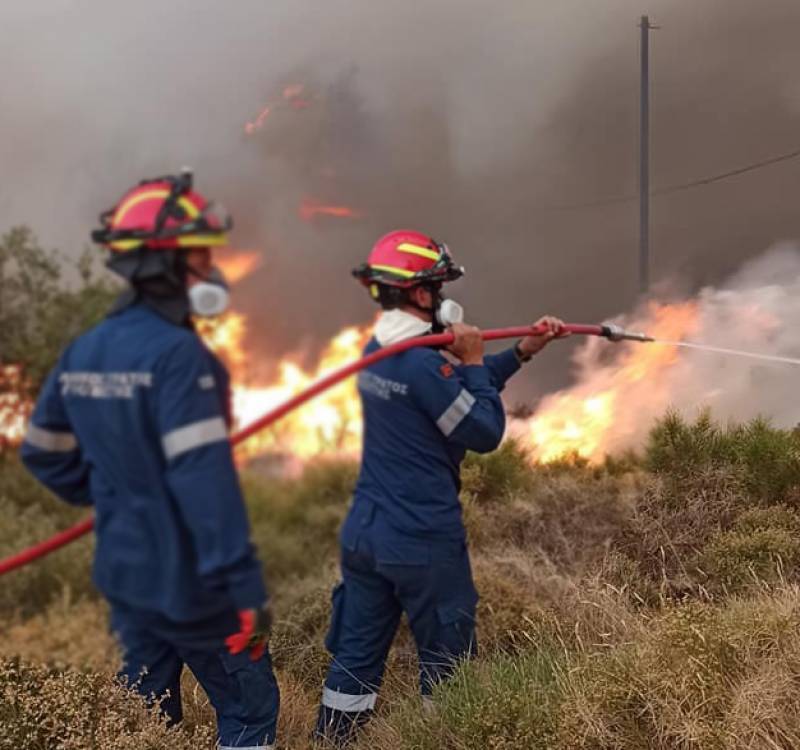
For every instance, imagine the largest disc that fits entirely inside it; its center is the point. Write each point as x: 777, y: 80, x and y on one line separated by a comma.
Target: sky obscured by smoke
x: 481, y: 123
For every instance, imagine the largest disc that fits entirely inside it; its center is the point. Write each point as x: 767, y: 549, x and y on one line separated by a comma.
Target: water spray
x: 734, y: 352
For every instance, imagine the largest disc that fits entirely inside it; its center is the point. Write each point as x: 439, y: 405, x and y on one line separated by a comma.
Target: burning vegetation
x: 331, y: 424
x: 14, y: 407
x: 619, y: 390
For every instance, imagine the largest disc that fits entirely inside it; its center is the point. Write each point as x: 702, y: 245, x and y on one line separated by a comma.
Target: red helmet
x: 405, y: 258
x: 163, y: 214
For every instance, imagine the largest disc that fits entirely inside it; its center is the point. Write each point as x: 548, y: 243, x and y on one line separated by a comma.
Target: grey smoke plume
x: 620, y: 391
x: 479, y: 122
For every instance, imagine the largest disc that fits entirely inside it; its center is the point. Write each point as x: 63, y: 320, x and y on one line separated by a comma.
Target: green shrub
x: 296, y: 521
x: 19, y: 487
x: 765, y: 459
x: 32, y: 588
x: 503, y: 703
x: 762, y: 547
x: 495, y: 477
x: 40, y: 311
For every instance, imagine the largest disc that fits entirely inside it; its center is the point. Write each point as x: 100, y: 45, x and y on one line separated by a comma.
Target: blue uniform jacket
x: 421, y: 415
x: 134, y: 420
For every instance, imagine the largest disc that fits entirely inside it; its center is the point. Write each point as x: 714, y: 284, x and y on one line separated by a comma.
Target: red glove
x: 255, y: 626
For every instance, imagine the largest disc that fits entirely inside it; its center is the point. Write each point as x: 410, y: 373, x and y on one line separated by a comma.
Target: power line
x: 681, y: 186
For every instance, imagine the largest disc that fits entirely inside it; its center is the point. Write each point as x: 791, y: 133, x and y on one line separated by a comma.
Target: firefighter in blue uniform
x: 134, y: 420
x: 403, y: 543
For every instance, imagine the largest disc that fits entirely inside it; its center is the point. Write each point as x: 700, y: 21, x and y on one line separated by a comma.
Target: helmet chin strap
x: 437, y: 297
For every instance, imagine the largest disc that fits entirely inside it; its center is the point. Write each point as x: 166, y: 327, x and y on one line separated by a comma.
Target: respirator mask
x: 210, y: 296
x: 449, y: 312
x: 445, y: 311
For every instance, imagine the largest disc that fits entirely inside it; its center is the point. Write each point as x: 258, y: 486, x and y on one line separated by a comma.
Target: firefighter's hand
x: 554, y: 329
x: 255, y: 626
x: 468, y: 344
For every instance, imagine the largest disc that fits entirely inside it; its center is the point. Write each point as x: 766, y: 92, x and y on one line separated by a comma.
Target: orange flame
x: 594, y: 417
x: 331, y: 423
x: 237, y: 264
x: 310, y: 209
x: 14, y: 410
x: 292, y: 96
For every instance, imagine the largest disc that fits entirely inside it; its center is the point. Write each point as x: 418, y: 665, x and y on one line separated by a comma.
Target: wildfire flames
x: 329, y: 424
x: 620, y: 389
x: 14, y: 411
x: 588, y: 419
x: 600, y: 413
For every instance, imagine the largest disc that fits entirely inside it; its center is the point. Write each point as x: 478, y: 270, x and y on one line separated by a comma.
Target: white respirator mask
x: 449, y: 312
x: 210, y: 296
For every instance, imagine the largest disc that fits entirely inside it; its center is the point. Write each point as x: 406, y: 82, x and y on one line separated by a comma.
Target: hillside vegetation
x: 651, y: 602
x: 647, y: 603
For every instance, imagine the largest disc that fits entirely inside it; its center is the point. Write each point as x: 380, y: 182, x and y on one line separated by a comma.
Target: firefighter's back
x: 110, y: 384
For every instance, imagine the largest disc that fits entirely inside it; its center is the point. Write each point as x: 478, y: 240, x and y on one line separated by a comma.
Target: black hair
x: 392, y: 297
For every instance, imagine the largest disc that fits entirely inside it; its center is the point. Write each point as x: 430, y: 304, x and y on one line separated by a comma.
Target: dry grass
x: 623, y: 607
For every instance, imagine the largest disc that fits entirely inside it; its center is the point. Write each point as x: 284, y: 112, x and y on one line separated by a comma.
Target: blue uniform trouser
x: 243, y: 693
x: 382, y: 577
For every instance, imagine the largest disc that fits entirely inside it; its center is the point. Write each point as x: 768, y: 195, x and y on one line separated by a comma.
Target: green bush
x: 32, y: 515
x: 296, y: 521
x: 497, y: 476
x: 503, y: 703
x: 40, y: 310
x: 765, y: 459
x: 718, y: 513
x: 762, y: 547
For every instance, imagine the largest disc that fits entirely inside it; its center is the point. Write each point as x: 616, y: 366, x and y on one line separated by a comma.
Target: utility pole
x: 644, y: 158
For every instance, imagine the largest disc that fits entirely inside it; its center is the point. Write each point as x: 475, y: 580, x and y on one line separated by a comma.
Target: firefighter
x: 134, y: 420
x: 403, y: 543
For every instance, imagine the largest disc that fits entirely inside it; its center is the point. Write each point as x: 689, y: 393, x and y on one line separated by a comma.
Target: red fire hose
x: 78, y: 530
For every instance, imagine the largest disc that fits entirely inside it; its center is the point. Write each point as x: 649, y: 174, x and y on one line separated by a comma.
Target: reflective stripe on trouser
x: 439, y: 598
x: 341, y: 714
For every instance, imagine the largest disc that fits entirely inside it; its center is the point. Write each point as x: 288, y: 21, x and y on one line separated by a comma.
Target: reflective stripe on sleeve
x: 455, y: 413
x: 346, y: 702
x: 48, y: 440
x: 193, y: 436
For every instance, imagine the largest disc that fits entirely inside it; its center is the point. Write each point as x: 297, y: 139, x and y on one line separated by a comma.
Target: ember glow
x: 311, y: 209
x: 293, y: 96
x: 258, y: 123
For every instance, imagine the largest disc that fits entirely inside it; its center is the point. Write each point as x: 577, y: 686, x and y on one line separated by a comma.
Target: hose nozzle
x: 614, y: 332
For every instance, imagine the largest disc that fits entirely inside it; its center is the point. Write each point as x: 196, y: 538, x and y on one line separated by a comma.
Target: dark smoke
x: 482, y: 123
